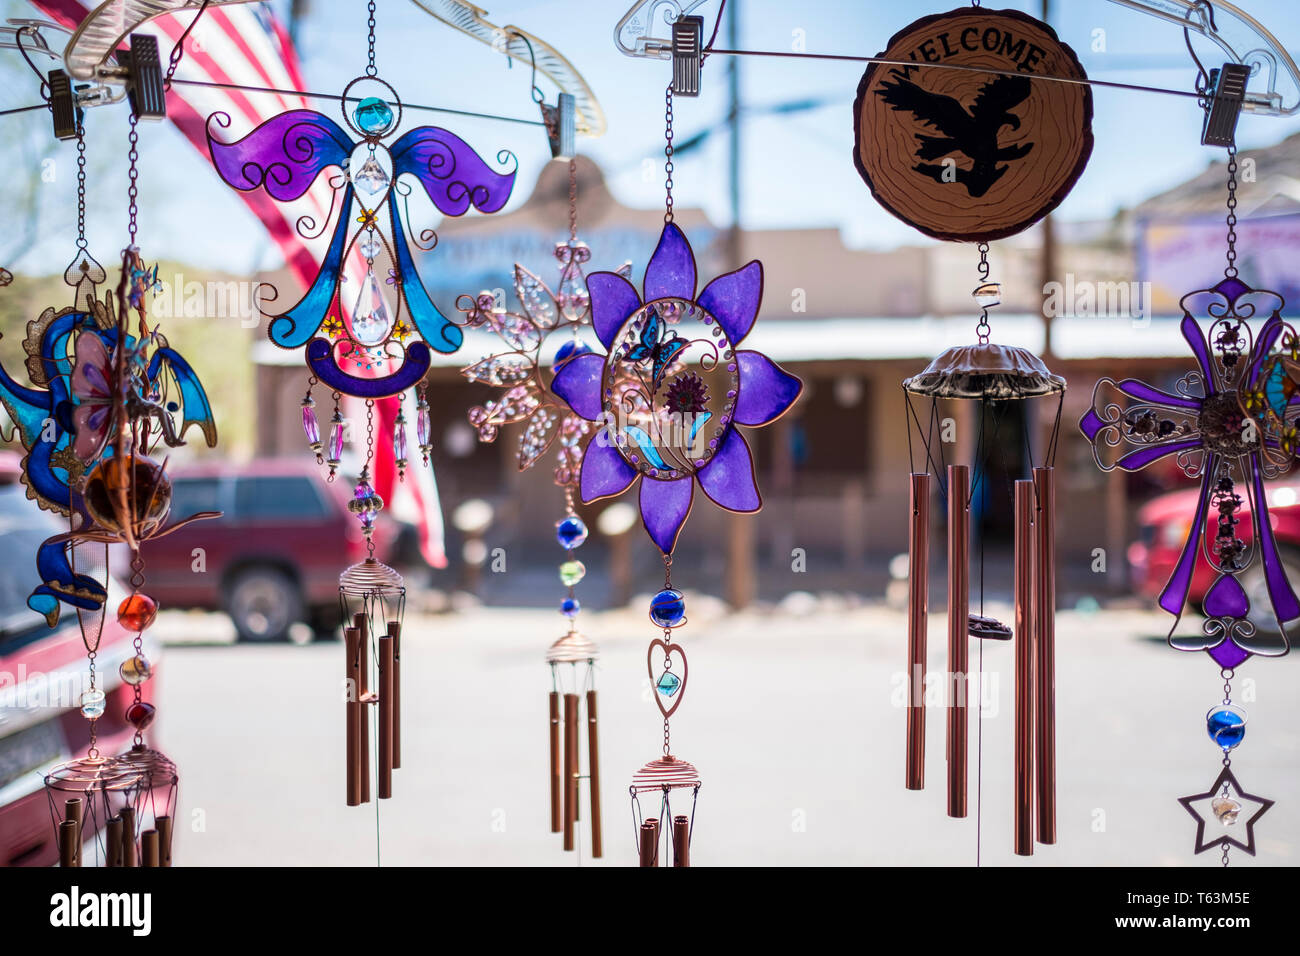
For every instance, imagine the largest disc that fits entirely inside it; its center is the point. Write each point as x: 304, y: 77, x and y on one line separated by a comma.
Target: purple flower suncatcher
x: 672, y: 388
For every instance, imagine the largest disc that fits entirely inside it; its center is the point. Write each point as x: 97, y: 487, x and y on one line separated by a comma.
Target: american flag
x: 247, y: 45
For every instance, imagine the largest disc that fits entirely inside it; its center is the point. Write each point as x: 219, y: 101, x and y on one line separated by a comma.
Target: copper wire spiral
x: 668, y: 772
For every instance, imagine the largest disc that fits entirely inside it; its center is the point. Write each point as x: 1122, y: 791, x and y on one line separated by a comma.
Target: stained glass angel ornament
x: 285, y: 156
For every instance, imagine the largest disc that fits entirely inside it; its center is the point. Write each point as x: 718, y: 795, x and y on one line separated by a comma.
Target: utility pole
x: 741, y: 561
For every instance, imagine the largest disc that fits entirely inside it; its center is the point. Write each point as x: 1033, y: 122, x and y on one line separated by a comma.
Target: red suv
x: 274, y: 556
x: 42, y: 674
x: 1165, y: 520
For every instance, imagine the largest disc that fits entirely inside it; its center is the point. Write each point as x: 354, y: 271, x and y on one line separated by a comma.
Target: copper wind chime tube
x: 1024, y: 583
x: 571, y: 772
x: 593, y: 771
x: 557, y: 772
x: 395, y: 693
x: 352, y: 650
x: 918, y: 571
x: 958, y: 634
x: 650, y: 843
x: 385, y: 716
x: 1045, y: 650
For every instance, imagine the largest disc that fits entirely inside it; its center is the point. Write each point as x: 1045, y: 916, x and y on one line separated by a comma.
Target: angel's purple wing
x: 451, y: 172
x: 285, y: 154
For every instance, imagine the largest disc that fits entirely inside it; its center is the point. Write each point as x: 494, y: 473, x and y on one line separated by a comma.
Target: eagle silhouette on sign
x: 974, y: 133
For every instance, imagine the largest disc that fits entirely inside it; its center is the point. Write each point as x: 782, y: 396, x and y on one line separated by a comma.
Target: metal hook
x: 1203, y: 76
x: 538, y: 96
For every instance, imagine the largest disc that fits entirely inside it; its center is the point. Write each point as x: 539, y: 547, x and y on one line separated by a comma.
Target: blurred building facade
x: 852, y: 324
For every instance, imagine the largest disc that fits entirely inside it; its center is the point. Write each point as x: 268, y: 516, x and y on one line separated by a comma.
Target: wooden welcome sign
x: 965, y: 154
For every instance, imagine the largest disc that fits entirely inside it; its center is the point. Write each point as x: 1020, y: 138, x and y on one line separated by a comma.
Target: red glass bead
x: 141, y: 714
x: 137, y: 612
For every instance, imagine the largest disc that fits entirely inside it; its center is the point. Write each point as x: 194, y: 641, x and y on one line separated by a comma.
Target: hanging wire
x: 884, y: 61
x: 310, y: 95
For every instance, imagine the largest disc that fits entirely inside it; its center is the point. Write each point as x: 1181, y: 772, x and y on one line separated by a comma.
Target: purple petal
x: 1091, y: 423
x: 766, y: 390
x: 613, y: 299
x: 733, y: 300
x: 1136, y: 460
x: 1228, y: 654
x: 1196, y: 341
x: 605, y: 472
x: 578, y: 383
x: 671, y: 270
x: 1226, y: 598
x: 664, y: 507
x: 1280, y: 593
x: 728, y: 478
x: 1174, y: 596
x: 1148, y: 393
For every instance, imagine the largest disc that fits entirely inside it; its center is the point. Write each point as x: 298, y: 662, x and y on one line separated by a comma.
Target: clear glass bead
x: 92, y: 704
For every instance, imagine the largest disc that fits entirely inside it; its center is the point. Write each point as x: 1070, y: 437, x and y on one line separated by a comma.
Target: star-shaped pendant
x: 1226, y: 805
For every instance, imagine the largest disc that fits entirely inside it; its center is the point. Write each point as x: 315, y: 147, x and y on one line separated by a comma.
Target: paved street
x: 790, y: 717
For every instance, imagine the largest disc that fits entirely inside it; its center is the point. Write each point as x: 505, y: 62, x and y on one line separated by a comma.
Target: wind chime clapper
x: 990, y: 375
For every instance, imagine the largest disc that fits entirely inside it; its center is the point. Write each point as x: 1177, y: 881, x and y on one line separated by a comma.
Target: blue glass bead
x: 570, y: 350
x: 668, y: 684
x: 1226, y: 726
x: 668, y: 608
x: 570, y: 607
x: 373, y: 115
x: 570, y: 532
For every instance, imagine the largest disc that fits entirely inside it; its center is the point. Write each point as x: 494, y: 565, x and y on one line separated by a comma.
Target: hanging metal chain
x: 371, y: 69
x: 668, y: 154
x: 81, y: 187
x: 573, y: 200
x: 1227, y: 674
x: 132, y: 175
x: 982, y: 328
x: 1231, y: 270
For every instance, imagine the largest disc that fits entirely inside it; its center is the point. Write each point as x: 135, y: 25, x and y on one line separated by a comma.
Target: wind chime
x: 520, y: 370
x: 364, y: 353
x: 1230, y: 422
x: 668, y: 396
x: 971, y: 142
x: 994, y: 376
x: 104, y: 395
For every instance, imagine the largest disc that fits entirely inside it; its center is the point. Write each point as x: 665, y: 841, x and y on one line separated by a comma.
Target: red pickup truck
x: 275, y: 554
x: 43, y: 671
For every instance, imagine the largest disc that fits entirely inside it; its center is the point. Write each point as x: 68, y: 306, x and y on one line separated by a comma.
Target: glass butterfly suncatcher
x: 104, y: 397
x: 1231, y: 424
x: 668, y: 395
x: 520, y: 371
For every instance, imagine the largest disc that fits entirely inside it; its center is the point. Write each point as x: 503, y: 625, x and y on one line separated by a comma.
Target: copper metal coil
x: 91, y: 775
x: 668, y: 772
x: 369, y: 577
x: 154, y: 770
x: 572, y: 648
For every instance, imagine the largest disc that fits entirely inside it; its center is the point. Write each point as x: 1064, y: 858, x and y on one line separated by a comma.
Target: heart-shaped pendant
x: 668, y: 685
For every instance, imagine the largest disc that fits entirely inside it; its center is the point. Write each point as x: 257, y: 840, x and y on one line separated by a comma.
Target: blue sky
x: 797, y: 170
